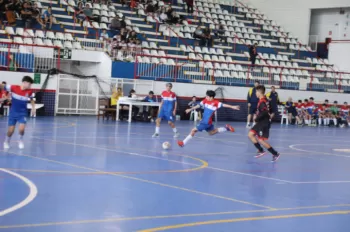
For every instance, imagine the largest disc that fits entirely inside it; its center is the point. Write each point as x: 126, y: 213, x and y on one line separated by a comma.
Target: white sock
x: 7, y: 139
x: 175, y: 130
x: 335, y: 121
x: 306, y: 122
x: 325, y: 121
x: 248, y: 123
x: 188, y: 138
x: 253, y: 123
x: 157, y: 130
x: 319, y: 121
x: 222, y: 129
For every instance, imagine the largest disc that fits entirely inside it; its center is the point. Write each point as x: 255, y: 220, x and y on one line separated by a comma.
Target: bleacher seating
x: 282, y: 58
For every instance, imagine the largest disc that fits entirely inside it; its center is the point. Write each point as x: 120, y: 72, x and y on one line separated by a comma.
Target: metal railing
x: 239, y: 73
x: 28, y: 58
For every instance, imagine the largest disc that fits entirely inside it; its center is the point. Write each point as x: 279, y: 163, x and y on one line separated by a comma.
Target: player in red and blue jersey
x: 210, y: 106
x: 344, y: 115
x: 18, y: 112
x: 167, y: 110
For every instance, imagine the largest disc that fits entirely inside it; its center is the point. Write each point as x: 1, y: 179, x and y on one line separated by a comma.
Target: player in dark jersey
x: 259, y: 134
x: 20, y: 95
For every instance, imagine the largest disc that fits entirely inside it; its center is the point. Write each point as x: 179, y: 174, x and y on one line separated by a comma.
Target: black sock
x: 272, y: 151
x: 258, y: 146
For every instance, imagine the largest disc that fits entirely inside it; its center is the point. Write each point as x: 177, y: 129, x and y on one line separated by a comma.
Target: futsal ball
x: 166, y: 145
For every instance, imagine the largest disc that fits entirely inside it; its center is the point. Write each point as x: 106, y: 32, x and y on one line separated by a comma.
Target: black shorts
x: 261, y: 130
x: 253, y: 107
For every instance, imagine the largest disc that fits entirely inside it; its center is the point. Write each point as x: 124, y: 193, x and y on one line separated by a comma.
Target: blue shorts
x: 206, y: 127
x: 310, y: 111
x: 13, y: 120
x: 166, y: 116
x: 253, y: 108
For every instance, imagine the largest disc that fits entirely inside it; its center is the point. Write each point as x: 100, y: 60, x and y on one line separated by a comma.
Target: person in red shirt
x: 4, y: 99
x: 344, y: 115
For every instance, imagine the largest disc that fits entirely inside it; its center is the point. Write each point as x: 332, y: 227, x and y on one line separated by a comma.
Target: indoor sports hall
x: 78, y: 174
x: 84, y: 84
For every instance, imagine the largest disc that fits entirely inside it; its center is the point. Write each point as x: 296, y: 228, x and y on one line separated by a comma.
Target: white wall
x: 238, y: 93
x: 294, y: 15
x: 15, y: 78
x: 339, y: 54
x: 329, y: 23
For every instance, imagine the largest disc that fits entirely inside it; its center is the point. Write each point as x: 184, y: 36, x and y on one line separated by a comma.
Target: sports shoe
x: 155, y: 135
x: 248, y: 126
x: 229, y: 128
x: 260, y: 154
x: 176, y: 135
x: 20, y: 145
x: 6, y: 145
x: 180, y: 143
x: 275, y: 157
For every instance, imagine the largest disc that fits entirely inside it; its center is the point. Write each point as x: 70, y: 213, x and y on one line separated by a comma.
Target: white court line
x: 293, y: 146
x: 209, y: 167
x: 33, y: 192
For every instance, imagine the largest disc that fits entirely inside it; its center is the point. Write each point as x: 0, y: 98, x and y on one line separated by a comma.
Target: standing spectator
x: 253, y: 54
x: 252, y: 100
x: 274, y: 101
x: 189, y: 6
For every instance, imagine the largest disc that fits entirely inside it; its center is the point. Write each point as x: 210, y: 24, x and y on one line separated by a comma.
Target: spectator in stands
x: 47, y: 17
x: 37, y: 15
x: 169, y: 12
x: 207, y: 39
x: 150, y: 8
x: 115, y: 24
x: 163, y: 16
x: 26, y: 15
x: 132, y: 36
x: 89, y: 14
x: 189, y: 4
x: 198, y: 33
x: 253, y: 54
x: 220, y: 32
x: 12, y: 8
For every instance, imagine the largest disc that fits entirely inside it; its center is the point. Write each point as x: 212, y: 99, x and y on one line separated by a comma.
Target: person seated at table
x: 116, y: 94
x: 193, y: 103
x: 135, y: 109
x: 150, y: 112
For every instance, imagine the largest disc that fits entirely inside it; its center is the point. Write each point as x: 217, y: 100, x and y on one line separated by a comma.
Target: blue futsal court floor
x: 80, y: 174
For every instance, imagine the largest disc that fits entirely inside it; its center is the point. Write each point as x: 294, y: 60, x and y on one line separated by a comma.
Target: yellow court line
x: 148, y: 181
x: 204, y: 165
x: 244, y: 220
x: 115, y: 219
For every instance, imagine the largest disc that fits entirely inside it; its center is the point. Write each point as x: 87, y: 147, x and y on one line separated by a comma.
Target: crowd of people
x: 27, y: 11
x: 303, y: 112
